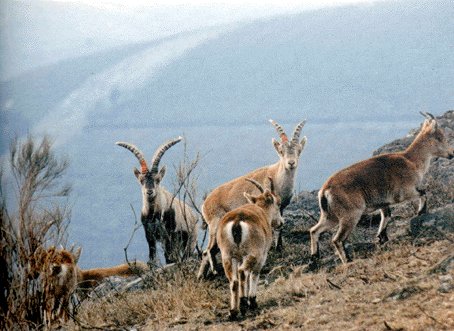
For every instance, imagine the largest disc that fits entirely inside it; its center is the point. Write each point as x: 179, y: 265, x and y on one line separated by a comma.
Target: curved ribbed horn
x: 296, y: 133
x: 160, y: 152
x: 427, y: 115
x: 280, y: 131
x: 260, y: 187
x: 137, y: 153
x: 271, y: 184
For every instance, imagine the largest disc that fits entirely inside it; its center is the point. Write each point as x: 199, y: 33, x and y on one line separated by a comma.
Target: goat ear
x: 303, y: 143
x: 277, y: 146
x: 249, y: 198
x: 161, y: 174
x: 268, y: 197
x: 77, y: 254
x: 136, y: 172
x: 433, y: 126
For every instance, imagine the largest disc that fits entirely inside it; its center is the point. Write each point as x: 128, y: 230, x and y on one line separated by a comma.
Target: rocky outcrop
x: 433, y: 225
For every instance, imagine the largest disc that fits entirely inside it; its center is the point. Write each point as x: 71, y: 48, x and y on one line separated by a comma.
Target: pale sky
x: 289, y: 4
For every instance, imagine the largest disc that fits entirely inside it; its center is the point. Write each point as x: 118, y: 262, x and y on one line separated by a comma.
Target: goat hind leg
x: 209, y: 254
x: 323, y: 225
x: 243, y: 290
x: 345, y: 228
x: 231, y: 271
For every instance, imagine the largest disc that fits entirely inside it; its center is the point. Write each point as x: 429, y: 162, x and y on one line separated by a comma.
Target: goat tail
x: 237, y: 232
x: 204, y: 224
x: 324, y: 197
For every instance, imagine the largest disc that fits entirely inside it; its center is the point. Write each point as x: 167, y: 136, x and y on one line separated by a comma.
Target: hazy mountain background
x: 90, y: 76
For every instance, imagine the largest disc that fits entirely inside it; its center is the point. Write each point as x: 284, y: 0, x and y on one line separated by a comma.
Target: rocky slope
x: 439, y: 183
x: 407, y: 284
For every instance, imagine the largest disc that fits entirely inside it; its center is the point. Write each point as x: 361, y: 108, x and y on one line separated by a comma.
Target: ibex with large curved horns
x: 164, y: 217
x: 230, y: 195
x: 244, y: 237
x: 377, y: 183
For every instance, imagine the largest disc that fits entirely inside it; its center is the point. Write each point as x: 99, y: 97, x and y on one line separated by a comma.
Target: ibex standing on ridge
x: 244, y: 237
x: 377, y: 183
x: 164, y: 217
x: 230, y: 195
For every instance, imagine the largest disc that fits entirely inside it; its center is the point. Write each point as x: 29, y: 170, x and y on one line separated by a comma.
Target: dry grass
x: 393, y: 287
x: 392, y: 290
x: 177, y: 298
x: 37, y: 218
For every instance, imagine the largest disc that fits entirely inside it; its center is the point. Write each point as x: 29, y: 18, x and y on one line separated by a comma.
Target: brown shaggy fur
x: 61, y: 276
x: 377, y: 183
x: 244, y: 237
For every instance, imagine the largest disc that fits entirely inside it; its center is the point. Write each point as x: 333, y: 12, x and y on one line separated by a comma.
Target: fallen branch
x: 430, y: 316
x: 390, y: 328
x: 441, y: 266
x: 136, y: 227
x: 332, y: 284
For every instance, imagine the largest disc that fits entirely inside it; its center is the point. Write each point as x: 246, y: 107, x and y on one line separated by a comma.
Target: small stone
x: 445, y: 278
x: 377, y: 300
x: 446, y: 287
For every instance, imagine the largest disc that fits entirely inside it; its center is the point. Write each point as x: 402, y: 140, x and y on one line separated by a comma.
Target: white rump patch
x: 244, y: 232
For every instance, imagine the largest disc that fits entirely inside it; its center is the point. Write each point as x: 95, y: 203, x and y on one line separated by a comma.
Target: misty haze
x: 358, y: 74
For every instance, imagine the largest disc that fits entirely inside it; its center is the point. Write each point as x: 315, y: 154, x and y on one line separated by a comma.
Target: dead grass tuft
x: 35, y: 218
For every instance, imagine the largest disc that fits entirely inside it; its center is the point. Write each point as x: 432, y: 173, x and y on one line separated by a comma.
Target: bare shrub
x: 36, y: 219
x: 186, y: 191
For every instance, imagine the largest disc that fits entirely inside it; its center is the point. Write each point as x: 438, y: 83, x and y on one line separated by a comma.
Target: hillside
x: 405, y: 285
x: 358, y: 74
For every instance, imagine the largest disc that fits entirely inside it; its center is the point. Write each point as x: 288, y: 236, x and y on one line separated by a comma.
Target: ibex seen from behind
x: 164, y: 217
x: 230, y: 195
x: 377, y: 183
x: 244, y: 237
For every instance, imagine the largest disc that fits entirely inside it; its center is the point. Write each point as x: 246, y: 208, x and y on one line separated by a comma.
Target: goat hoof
x: 313, y: 263
x: 233, y: 316
x: 253, y: 303
x: 422, y: 211
x: 382, y: 239
x: 243, y: 305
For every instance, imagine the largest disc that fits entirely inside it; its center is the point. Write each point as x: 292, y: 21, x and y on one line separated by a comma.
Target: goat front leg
x: 382, y: 235
x: 278, y: 242
x: 253, y: 282
x: 422, y: 209
x: 150, y: 231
